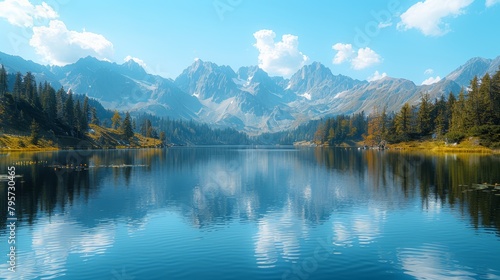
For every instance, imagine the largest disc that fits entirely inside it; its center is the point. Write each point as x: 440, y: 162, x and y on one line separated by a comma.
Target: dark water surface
x: 252, y: 213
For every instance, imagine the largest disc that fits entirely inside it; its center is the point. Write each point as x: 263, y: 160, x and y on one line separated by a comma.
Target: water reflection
x: 53, y: 241
x: 433, y: 261
x: 279, y: 236
x: 437, y: 179
x: 289, y: 196
x: 211, y: 185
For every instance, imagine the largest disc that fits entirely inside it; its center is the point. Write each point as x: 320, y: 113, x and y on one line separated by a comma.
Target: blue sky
x: 417, y: 40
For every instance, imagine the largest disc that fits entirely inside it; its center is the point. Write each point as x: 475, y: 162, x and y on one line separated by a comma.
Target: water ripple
x: 432, y: 262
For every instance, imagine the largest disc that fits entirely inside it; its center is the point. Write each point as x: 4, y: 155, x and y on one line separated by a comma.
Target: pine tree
x: 35, y: 132
x: 403, y: 122
x: 440, y: 117
x: 472, y: 105
x: 440, y: 123
x: 36, y: 97
x: 29, y: 86
x: 424, y: 122
x: 328, y: 125
x: 116, y: 120
x: 383, y: 124
x: 374, y: 126
x: 153, y: 133
x: 93, y: 116
x: 359, y: 123
x: 60, y: 101
x: 163, y: 137
x: 77, y: 113
x: 485, y: 102
x: 85, y: 113
x: 69, y: 110
x: 331, y: 136
x: 450, y: 104
x: 495, y: 97
x: 3, y: 81
x: 318, y: 135
x: 126, y: 127
x: 458, y: 121
x: 49, y: 102
x: 149, y: 132
x: 146, y: 128
x: 40, y: 89
x: 18, y: 86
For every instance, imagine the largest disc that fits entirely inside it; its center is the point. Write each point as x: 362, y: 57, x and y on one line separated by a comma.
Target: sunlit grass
x: 111, y: 137
x: 470, y: 145
x: 10, y: 142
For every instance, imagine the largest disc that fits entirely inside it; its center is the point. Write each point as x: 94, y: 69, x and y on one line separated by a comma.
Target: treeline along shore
x: 35, y: 116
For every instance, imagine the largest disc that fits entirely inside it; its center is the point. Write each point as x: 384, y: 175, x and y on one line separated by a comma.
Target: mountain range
x: 248, y: 99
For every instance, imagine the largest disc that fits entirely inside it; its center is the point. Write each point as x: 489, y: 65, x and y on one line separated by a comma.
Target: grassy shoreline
x: 100, y: 138
x: 433, y: 146
x: 11, y: 143
x: 428, y: 146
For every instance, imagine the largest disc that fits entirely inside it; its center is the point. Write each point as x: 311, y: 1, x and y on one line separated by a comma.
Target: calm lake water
x: 252, y: 213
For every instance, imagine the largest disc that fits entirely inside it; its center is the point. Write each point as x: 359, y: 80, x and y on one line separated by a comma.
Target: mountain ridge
x: 247, y: 99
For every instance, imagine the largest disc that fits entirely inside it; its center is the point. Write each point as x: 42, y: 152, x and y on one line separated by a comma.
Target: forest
x: 475, y: 112
x: 41, y: 111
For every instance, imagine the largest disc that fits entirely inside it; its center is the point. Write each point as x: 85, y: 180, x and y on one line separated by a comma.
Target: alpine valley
x: 248, y: 99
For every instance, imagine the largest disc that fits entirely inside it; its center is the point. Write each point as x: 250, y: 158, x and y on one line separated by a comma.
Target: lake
x: 252, y: 213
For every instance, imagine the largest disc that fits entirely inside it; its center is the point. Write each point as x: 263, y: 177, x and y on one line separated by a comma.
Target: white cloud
x: 383, y: 25
x: 137, y: 60
x: 23, y: 13
x: 366, y: 58
x: 279, y: 58
x: 490, y: 3
x: 363, y: 58
x: 429, y: 71
x: 55, y: 43
x: 59, y: 46
x: 427, y: 16
x: 431, y: 80
x: 376, y: 76
x: 345, y: 52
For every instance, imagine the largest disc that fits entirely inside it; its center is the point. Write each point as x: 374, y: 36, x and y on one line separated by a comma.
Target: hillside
x: 97, y: 138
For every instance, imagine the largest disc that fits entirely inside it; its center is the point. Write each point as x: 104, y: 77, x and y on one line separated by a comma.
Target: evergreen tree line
x: 341, y: 128
x: 125, y: 127
x: 177, y: 132
x: 304, y: 132
x: 28, y: 103
x: 475, y: 112
x: 180, y: 132
x: 32, y: 107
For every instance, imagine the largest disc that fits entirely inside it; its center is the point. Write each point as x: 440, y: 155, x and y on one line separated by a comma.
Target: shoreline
x: 470, y: 146
x: 434, y: 147
x: 55, y: 149
x: 10, y: 142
